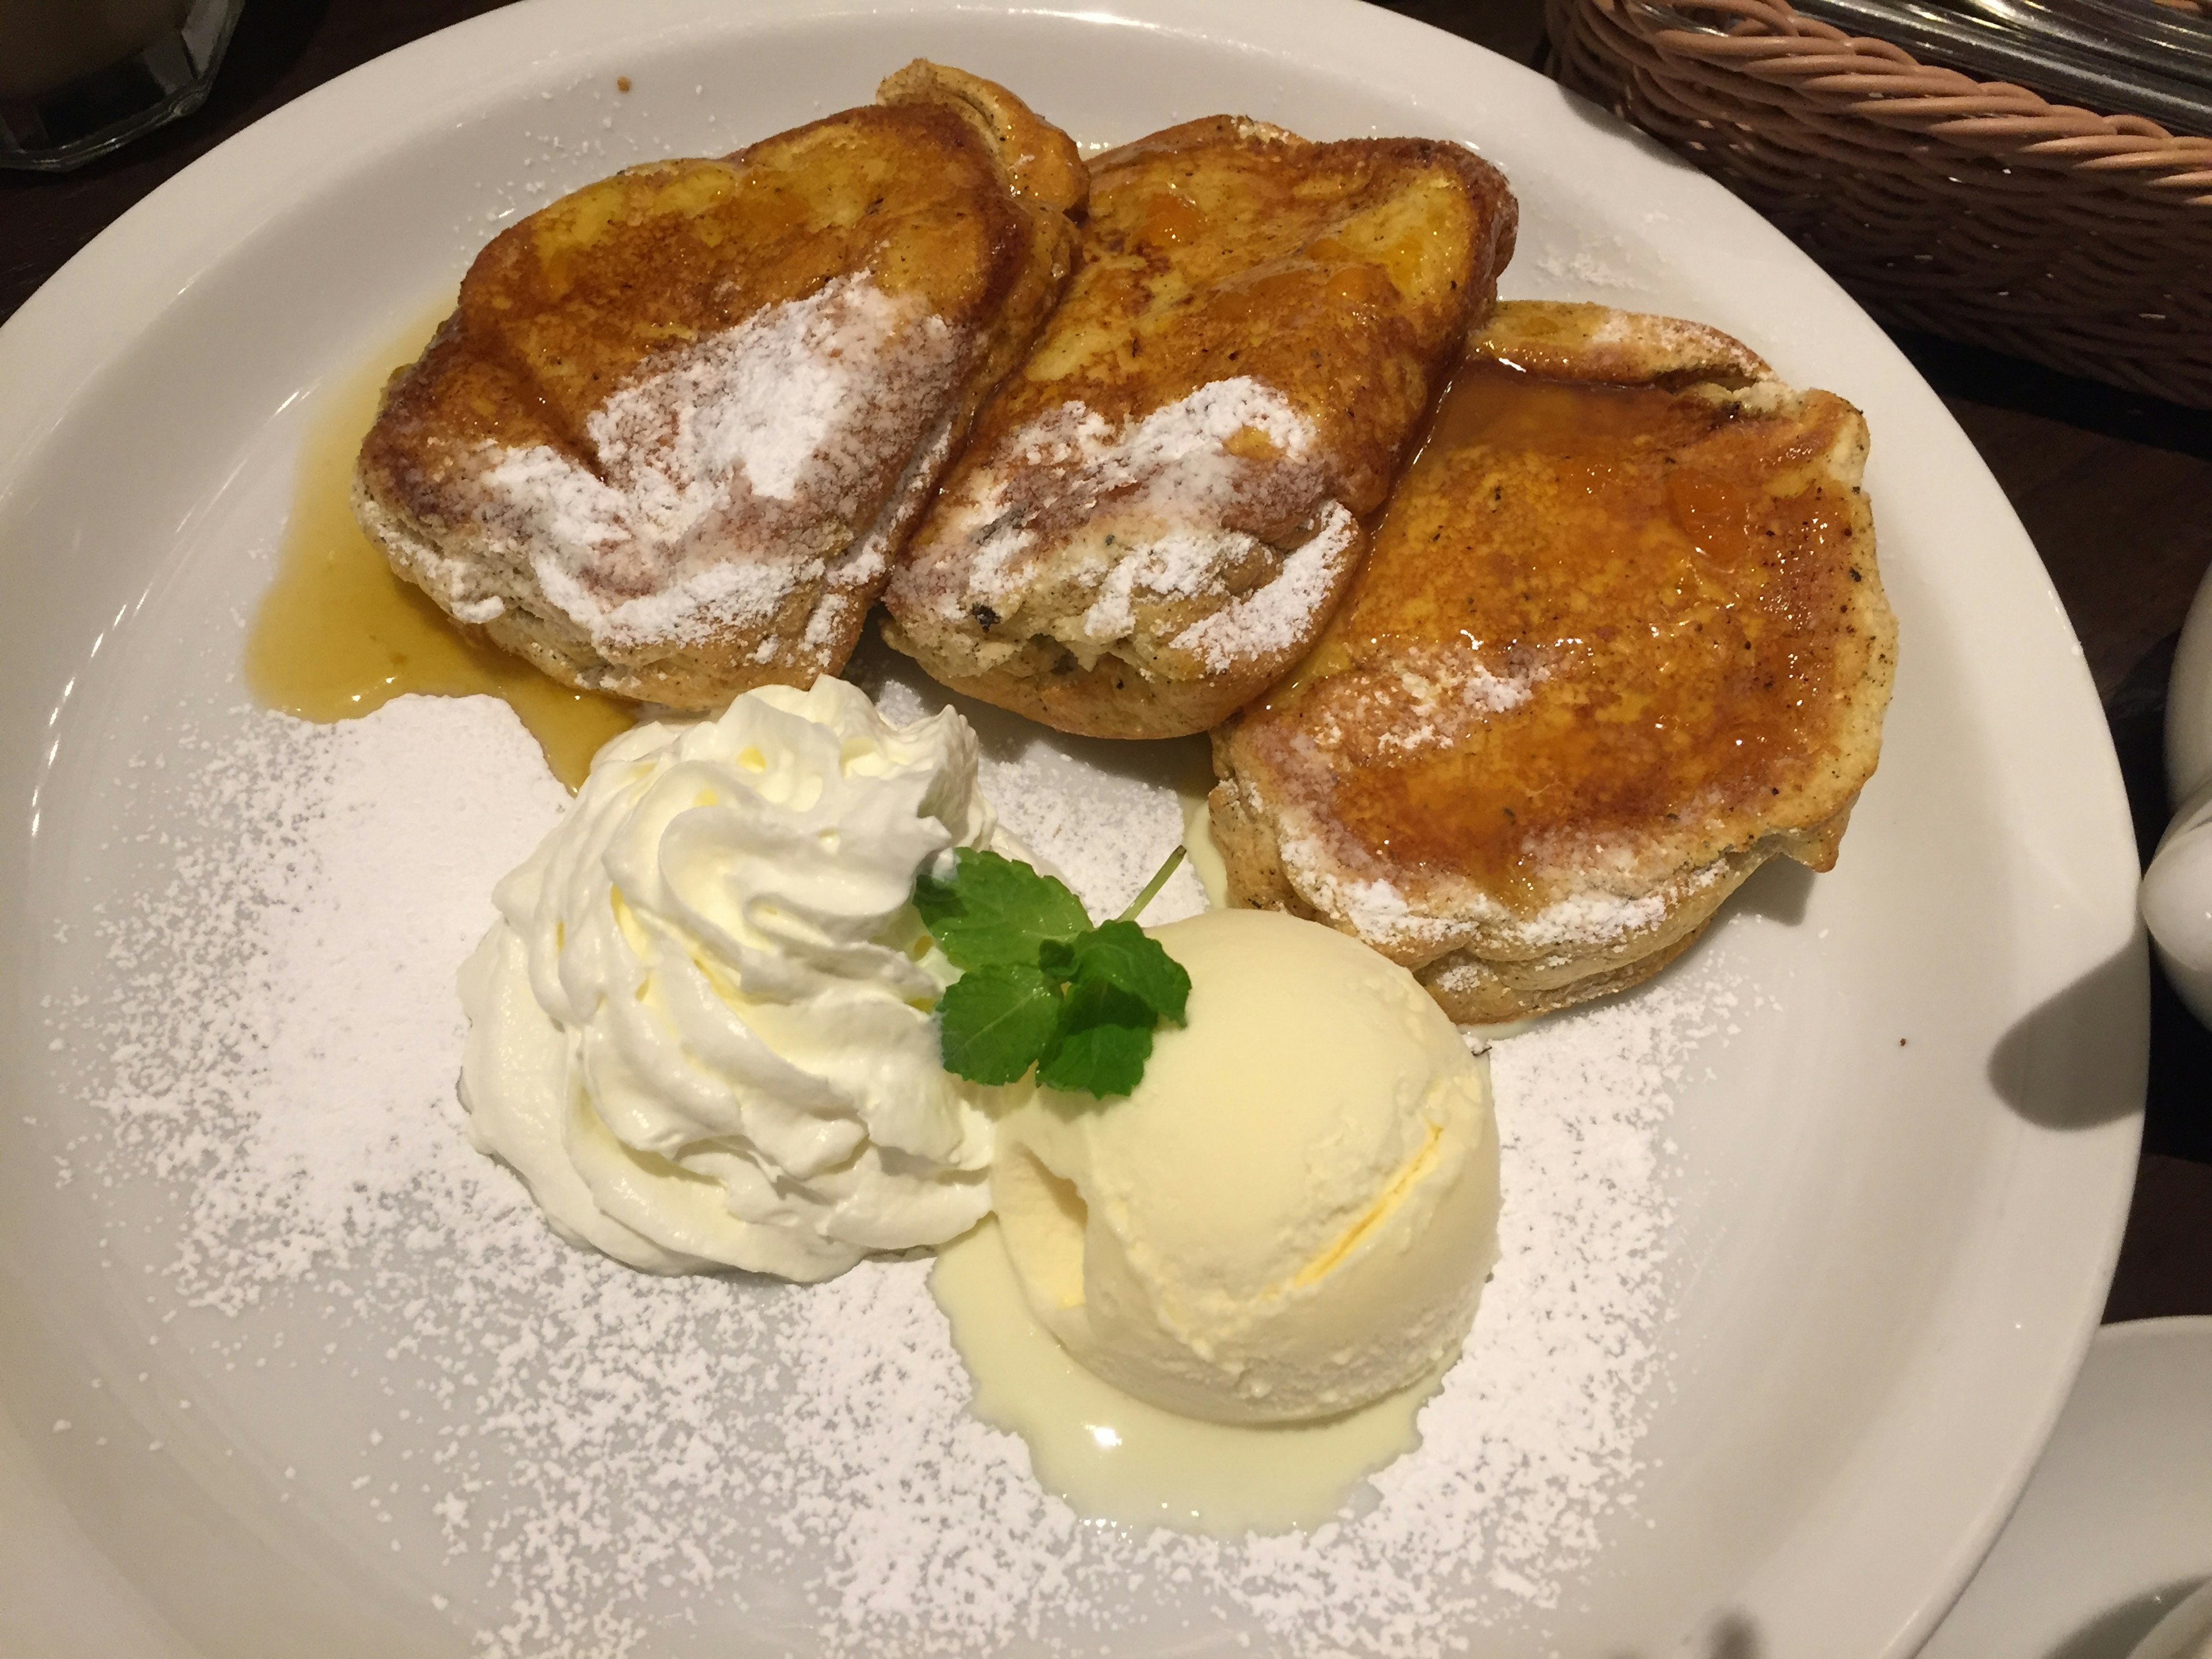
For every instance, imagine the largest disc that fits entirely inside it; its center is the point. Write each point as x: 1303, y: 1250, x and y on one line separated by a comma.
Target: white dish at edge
x: 1908, y: 1179
x: 2115, y: 1529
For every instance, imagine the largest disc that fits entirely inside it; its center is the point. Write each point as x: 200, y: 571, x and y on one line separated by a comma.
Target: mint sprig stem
x: 1152, y: 889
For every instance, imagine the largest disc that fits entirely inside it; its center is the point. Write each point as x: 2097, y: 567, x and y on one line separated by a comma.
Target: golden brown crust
x: 1109, y: 699
x: 1156, y: 516
x: 602, y: 460
x: 1621, y: 639
x: 1563, y: 340
x: 1041, y: 162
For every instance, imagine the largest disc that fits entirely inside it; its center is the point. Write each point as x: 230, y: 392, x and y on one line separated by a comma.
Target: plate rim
x: 85, y: 317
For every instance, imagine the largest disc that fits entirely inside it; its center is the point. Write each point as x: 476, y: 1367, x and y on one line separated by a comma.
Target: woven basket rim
x: 1770, y: 40
x: 1981, y: 210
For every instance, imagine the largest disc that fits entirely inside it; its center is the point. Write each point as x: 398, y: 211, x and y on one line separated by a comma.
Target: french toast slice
x: 682, y: 420
x: 1156, y: 514
x: 1620, y: 640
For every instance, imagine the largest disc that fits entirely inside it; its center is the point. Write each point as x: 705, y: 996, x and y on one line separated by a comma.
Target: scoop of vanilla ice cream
x: 702, y: 1030
x: 1293, y: 1214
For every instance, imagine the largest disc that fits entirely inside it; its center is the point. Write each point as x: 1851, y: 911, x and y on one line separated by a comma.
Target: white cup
x: 2176, y: 902
x: 2177, y: 889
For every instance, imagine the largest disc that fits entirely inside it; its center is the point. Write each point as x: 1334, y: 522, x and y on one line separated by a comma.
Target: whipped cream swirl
x: 700, y: 1030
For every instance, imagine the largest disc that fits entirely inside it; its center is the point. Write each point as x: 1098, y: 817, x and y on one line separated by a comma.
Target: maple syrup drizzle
x: 1634, y: 584
x: 338, y: 634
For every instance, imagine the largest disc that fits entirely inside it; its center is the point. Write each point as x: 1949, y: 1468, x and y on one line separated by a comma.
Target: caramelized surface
x: 1155, y: 517
x: 567, y: 465
x: 1331, y: 272
x: 560, y: 308
x: 1595, y: 618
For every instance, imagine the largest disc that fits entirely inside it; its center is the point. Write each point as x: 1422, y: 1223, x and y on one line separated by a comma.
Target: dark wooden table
x: 2115, y: 489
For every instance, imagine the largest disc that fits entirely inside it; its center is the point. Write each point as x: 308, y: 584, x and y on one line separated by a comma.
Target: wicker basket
x: 1972, y: 209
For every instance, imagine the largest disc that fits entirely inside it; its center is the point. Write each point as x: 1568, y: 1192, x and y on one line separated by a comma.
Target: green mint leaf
x: 1120, y: 954
x: 995, y: 1021
x: 1099, y: 1060
x: 1043, y: 987
x: 1095, y: 1001
x: 1057, y: 958
x: 1104, y: 1037
x: 995, y: 910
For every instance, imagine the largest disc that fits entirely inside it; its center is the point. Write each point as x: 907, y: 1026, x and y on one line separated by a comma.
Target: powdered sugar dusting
x: 1428, y: 697
x: 581, y: 1459
x: 1103, y: 829
x: 1279, y: 616
x: 1595, y: 916
x: 735, y: 471
x: 1095, y: 533
x: 1383, y: 916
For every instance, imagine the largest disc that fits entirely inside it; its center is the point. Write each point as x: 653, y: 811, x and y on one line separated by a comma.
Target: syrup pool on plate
x: 1117, y: 1458
x: 338, y: 635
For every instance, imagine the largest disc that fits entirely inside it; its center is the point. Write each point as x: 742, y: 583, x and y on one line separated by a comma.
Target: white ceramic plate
x: 1898, y: 1174
x: 2115, y: 1530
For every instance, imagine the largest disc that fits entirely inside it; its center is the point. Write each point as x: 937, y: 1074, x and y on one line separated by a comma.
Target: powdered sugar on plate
x: 1101, y: 815
x: 582, y: 1460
